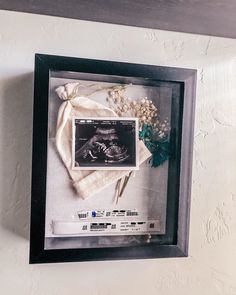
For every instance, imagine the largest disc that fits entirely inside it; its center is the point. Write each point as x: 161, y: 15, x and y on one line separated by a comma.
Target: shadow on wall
x: 16, y: 102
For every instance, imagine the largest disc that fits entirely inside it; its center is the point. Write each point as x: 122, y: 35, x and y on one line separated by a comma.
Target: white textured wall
x: 210, y: 269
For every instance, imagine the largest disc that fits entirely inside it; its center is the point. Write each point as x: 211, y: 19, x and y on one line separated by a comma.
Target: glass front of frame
x: 140, y: 206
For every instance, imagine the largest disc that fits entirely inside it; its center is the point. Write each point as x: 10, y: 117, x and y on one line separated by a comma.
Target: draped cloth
x: 85, y: 182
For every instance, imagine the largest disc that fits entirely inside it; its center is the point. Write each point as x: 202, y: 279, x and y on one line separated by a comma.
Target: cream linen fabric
x: 85, y: 182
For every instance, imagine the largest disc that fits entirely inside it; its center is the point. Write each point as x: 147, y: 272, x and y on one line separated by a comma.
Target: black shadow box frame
x: 174, y: 243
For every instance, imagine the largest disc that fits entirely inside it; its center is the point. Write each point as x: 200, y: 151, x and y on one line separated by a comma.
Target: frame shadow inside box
x: 105, y: 211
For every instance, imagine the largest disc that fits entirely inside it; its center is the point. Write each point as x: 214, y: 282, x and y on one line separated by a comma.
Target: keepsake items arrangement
x: 104, y: 143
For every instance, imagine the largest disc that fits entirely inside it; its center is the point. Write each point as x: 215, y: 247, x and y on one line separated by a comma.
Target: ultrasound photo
x: 105, y: 143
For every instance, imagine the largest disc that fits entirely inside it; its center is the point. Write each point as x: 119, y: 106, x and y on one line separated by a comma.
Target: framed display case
x: 112, y: 160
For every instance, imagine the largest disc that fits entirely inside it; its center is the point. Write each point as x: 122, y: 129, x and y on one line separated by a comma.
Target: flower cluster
x: 161, y: 128
x: 117, y: 100
x: 145, y: 111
